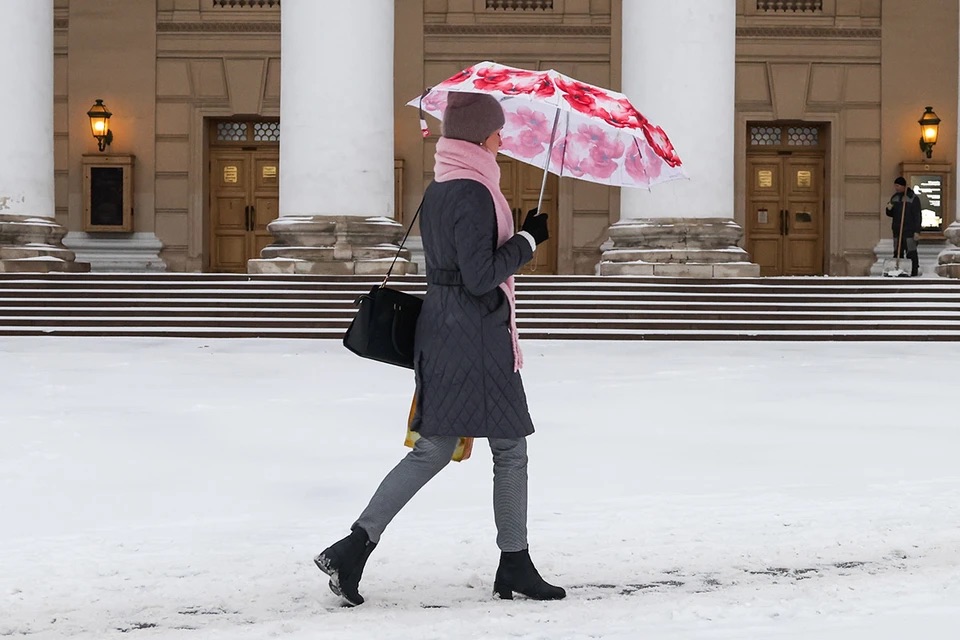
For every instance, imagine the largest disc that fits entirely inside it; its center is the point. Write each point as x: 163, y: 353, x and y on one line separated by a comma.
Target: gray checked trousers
x: 429, y: 456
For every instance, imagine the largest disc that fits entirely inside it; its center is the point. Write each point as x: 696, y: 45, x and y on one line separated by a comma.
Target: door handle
x: 783, y: 222
x: 246, y: 218
x: 786, y: 222
x: 251, y: 217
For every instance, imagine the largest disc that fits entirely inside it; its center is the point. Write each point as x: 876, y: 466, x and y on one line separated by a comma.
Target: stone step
x: 551, y: 307
x: 553, y: 334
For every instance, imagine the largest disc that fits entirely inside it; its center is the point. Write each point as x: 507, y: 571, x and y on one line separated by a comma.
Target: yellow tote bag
x: 464, y: 445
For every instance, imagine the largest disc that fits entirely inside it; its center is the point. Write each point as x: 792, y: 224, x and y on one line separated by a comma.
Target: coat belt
x: 445, y: 277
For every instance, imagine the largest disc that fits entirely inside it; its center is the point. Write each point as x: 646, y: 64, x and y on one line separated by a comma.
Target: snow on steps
x: 550, y: 307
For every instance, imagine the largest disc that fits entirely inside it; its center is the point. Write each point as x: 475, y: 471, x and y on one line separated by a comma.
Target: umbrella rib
x: 642, y: 168
x: 563, y: 154
x: 546, y: 164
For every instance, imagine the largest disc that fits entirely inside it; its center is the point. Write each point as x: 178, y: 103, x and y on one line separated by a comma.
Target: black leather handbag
x: 385, y: 326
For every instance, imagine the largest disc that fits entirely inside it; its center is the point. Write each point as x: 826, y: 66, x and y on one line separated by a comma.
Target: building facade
x: 826, y: 95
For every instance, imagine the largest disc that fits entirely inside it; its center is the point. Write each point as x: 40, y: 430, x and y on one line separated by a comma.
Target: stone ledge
x: 681, y: 270
x: 948, y: 262
x: 42, y: 265
x: 333, y: 245
x: 35, y: 244
x: 677, y: 248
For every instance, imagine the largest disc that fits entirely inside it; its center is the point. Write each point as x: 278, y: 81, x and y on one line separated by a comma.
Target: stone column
x: 679, y: 66
x: 336, y: 141
x: 948, y: 262
x: 30, y: 238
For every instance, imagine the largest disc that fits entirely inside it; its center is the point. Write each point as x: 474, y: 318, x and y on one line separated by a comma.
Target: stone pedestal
x: 336, y: 154
x: 691, y: 94
x: 34, y: 244
x: 128, y: 253
x: 677, y: 247
x: 948, y: 262
x: 333, y: 245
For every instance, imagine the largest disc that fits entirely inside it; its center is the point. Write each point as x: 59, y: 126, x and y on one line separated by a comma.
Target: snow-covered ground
x: 179, y: 489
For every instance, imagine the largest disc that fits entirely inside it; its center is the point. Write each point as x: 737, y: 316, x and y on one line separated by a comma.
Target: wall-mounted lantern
x: 929, y: 131
x: 100, y: 124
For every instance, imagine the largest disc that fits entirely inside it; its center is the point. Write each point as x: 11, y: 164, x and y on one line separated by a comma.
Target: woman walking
x: 467, y: 355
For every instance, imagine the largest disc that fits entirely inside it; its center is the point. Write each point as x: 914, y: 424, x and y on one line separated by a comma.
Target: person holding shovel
x: 904, y: 208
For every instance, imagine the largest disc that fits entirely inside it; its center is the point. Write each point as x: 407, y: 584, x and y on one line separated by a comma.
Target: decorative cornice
x: 219, y: 27
x: 808, y: 32
x: 515, y: 30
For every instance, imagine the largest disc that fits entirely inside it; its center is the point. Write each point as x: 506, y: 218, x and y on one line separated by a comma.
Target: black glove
x: 536, y: 225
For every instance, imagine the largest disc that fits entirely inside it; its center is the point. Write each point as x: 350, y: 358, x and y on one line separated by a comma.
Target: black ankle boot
x: 517, y: 573
x: 915, y: 260
x: 343, y: 562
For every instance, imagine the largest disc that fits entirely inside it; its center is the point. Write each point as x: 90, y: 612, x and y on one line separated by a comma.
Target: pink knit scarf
x: 462, y: 160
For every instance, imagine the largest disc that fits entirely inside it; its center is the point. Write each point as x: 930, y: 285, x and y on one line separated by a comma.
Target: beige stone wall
x: 919, y: 56
x: 864, y: 68
x: 98, y: 56
x: 823, y: 68
x: 212, y: 62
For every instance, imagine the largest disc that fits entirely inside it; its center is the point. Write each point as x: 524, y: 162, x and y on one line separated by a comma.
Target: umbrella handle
x: 546, y: 165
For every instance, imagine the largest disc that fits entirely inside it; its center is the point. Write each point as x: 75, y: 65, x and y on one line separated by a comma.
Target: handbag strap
x: 402, y: 242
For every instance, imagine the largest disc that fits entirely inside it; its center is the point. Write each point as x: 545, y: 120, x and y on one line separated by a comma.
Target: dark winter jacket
x: 463, y: 357
x: 914, y: 219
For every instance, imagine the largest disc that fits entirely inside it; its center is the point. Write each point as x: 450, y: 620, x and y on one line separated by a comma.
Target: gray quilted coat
x: 463, y: 356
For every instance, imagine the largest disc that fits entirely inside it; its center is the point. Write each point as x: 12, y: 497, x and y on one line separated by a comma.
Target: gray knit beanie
x: 471, y: 116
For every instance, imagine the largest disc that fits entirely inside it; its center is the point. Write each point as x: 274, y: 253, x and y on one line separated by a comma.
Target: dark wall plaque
x: 106, y: 196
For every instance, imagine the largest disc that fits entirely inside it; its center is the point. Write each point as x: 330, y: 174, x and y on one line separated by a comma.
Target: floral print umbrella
x: 568, y: 127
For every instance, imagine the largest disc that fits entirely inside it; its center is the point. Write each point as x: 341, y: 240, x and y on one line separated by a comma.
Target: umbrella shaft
x: 546, y: 165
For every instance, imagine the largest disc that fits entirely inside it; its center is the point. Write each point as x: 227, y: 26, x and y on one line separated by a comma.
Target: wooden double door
x: 520, y: 183
x: 244, y: 199
x: 784, y: 216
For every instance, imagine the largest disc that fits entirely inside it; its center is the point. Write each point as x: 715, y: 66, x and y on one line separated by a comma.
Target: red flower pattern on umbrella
x: 499, y: 79
x: 534, y: 132
x: 581, y: 96
x: 603, y: 159
x: 514, y: 82
x: 457, y: 78
x: 435, y: 102
x: 526, y: 144
x: 541, y: 87
x: 590, y: 136
x: 638, y: 169
x: 659, y: 142
x: 622, y: 115
x: 602, y: 150
x: 600, y: 135
x: 564, y: 158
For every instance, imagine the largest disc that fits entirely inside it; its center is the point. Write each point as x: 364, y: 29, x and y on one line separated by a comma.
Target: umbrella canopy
x: 568, y: 127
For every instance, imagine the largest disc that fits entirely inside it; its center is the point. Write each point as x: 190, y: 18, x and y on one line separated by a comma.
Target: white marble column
x: 30, y: 239
x: 679, y: 66
x: 948, y: 262
x: 336, y: 141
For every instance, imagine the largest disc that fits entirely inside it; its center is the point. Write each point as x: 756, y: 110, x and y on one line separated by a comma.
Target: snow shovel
x: 891, y: 266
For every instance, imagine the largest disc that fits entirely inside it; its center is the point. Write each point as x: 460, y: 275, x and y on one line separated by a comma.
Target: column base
x: 127, y: 253
x: 948, y: 262
x: 34, y: 244
x: 677, y: 248
x: 333, y: 245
